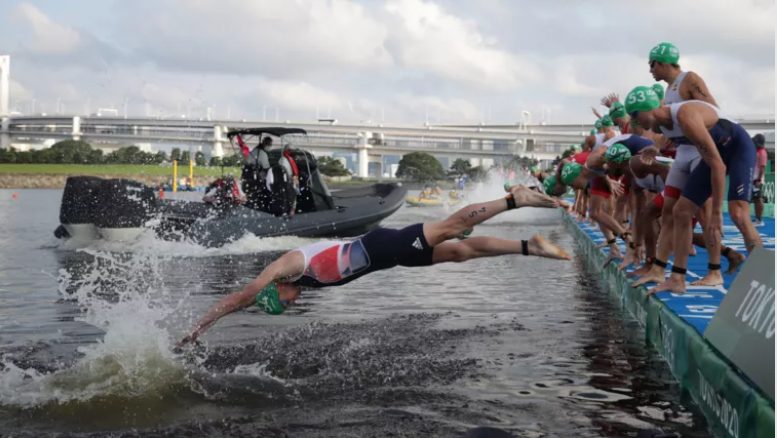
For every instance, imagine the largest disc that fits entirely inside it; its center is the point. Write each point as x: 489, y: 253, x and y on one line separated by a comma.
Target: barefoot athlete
x: 725, y: 149
x: 333, y: 263
x: 681, y: 86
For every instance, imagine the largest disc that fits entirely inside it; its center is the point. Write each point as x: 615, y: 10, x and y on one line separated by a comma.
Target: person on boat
x: 761, y: 157
x: 430, y: 193
x: 224, y: 193
x: 291, y: 171
x: 725, y: 149
x: 334, y: 263
x: 256, y: 164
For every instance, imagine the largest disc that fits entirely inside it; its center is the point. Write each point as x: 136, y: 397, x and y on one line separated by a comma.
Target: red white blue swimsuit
x: 332, y: 263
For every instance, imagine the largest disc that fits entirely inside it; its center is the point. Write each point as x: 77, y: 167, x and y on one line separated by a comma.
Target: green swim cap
x: 598, y: 124
x: 666, y: 53
x: 570, y: 172
x: 617, y: 153
x: 642, y: 99
x: 617, y: 111
x: 269, y: 301
x: 534, y: 169
x: 593, y: 132
x: 549, y: 184
x: 606, y: 120
x: 659, y: 89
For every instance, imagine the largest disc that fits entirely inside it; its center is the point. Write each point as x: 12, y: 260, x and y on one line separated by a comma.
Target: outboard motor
x: 80, y: 201
x: 125, y: 206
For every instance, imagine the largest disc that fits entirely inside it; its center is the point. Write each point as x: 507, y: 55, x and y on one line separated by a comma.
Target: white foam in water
x: 256, y: 370
x: 149, y: 243
x: 134, y: 358
x: 122, y: 293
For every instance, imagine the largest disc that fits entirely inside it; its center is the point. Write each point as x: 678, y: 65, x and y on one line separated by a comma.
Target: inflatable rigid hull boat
x: 121, y: 209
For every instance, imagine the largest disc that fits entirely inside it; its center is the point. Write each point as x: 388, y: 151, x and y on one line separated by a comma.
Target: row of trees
x: 81, y: 152
x: 421, y: 166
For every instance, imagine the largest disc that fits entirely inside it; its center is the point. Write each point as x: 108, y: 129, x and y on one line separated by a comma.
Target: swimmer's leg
x: 484, y: 246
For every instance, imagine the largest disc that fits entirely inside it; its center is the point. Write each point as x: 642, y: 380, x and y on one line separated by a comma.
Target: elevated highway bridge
x: 369, y: 148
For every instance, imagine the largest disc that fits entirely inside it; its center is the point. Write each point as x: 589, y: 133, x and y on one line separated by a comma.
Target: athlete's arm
x: 694, y: 88
x: 595, y: 161
x: 286, y: 266
x: 692, y: 121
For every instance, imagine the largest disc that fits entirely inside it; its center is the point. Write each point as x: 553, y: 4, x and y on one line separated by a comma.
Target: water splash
x: 150, y: 244
x: 122, y: 295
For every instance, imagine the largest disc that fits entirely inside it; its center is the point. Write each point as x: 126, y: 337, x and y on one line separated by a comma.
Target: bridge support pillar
x: 76, y: 133
x: 5, y: 137
x: 363, y: 158
x: 218, y: 142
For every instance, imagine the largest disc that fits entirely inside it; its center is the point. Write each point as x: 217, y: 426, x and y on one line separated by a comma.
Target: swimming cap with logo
x: 606, y: 120
x: 549, y: 184
x: 617, y: 111
x: 659, y: 89
x: 269, y: 301
x: 665, y: 53
x: 617, y: 153
x: 598, y: 124
x: 642, y: 99
x: 570, y: 172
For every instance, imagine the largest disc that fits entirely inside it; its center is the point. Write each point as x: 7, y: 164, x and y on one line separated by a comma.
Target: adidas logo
x: 417, y: 244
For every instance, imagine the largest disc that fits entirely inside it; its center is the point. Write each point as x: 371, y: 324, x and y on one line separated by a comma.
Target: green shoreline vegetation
x: 114, y: 169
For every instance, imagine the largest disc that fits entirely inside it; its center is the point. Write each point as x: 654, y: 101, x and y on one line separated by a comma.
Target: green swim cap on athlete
x: 570, y: 172
x: 642, y: 99
x: 617, y: 111
x: 598, y: 124
x: 659, y: 89
x: 549, y: 184
x: 269, y: 301
x: 534, y: 169
x: 606, y: 120
x: 617, y: 153
x: 593, y: 132
x: 665, y: 53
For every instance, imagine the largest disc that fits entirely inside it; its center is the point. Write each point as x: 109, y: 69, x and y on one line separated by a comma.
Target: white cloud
x: 394, y: 61
x: 435, y: 109
x: 299, y: 96
x: 432, y: 40
x: 48, y: 37
x: 280, y: 39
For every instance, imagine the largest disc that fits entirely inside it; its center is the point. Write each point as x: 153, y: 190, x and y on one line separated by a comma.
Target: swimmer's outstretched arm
x: 283, y: 267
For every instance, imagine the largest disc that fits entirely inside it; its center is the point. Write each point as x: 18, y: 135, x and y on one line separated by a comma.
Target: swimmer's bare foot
x: 526, y: 197
x: 713, y: 278
x: 655, y: 275
x: 540, y: 247
x: 672, y: 284
x: 615, y: 252
x: 734, y: 260
x: 632, y: 258
x: 641, y: 271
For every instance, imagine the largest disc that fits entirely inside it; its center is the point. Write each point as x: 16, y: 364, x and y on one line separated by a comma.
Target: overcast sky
x: 395, y: 61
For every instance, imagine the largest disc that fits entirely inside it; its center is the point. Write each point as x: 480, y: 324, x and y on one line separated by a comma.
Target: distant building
x: 5, y: 67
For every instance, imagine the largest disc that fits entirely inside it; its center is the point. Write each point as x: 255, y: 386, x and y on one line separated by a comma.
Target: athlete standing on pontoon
x: 726, y: 149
